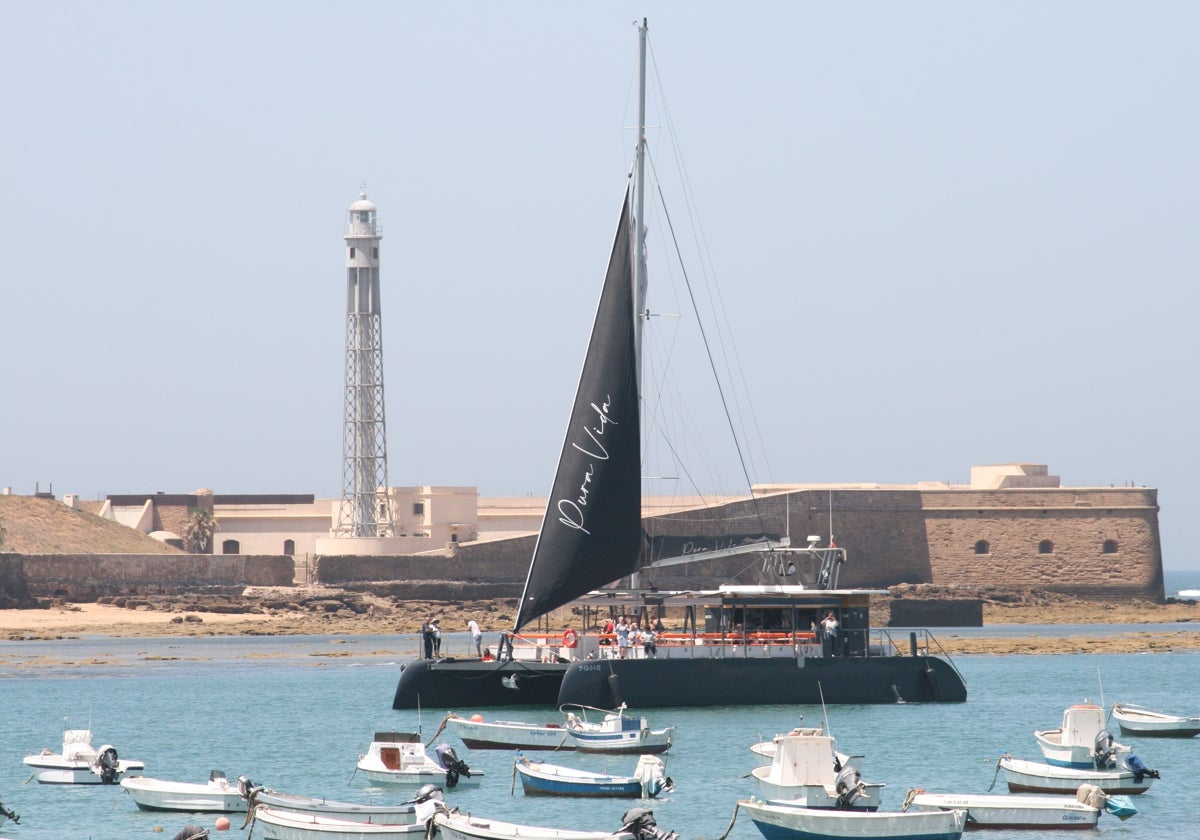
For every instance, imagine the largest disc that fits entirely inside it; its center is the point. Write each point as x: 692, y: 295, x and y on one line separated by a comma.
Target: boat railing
x: 917, y: 641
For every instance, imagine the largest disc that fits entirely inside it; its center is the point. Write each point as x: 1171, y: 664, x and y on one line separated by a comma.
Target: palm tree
x: 198, y: 535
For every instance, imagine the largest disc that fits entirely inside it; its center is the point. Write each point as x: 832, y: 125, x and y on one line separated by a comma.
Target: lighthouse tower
x: 364, y: 510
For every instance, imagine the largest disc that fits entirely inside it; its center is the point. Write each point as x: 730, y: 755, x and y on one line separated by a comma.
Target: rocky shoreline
x: 314, y: 610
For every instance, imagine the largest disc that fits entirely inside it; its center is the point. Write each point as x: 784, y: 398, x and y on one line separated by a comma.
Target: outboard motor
x: 641, y: 824
x: 247, y: 788
x: 108, y: 766
x: 453, y: 765
x: 7, y: 814
x: 848, y: 785
x: 192, y: 832
x: 1139, y: 769
x: 1105, y: 750
x: 425, y: 793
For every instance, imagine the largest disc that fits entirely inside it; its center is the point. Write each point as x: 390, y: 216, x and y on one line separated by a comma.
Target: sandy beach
x: 65, y: 621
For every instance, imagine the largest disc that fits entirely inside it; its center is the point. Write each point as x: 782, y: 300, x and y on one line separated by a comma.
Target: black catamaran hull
x: 650, y: 683
x: 470, y: 683
x: 739, y: 681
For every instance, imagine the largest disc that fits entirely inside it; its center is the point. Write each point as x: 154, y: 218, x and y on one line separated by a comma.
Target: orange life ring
x: 570, y: 638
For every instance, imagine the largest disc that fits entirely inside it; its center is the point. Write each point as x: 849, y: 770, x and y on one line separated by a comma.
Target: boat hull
x: 777, y: 822
x: 1033, y: 777
x: 1136, y: 720
x: 624, y: 743
x: 417, y: 777
x: 473, y: 683
x: 158, y: 795
x: 747, y: 681
x: 286, y: 825
x: 403, y: 814
x: 77, y: 772
x: 539, y: 780
x: 1029, y: 812
x: 468, y: 827
x: 511, y: 735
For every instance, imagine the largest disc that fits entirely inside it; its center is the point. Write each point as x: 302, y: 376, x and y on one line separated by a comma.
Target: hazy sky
x: 945, y: 234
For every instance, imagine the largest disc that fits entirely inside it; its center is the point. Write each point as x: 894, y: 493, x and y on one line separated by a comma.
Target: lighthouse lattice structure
x: 364, y: 510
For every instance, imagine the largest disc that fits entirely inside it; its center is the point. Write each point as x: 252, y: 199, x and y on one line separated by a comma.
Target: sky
x: 942, y: 234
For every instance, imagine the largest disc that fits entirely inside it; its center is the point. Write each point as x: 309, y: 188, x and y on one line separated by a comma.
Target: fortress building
x: 1013, y: 525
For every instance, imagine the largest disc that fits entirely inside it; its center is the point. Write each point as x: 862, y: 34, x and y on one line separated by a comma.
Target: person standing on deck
x: 622, y: 629
x: 427, y: 637
x: 476, y: 636
x: 437, y: 638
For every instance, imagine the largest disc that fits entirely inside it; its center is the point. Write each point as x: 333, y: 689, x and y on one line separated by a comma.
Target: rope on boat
x: 732, y: 820
x: 996, y: 775
x: 441, y: 726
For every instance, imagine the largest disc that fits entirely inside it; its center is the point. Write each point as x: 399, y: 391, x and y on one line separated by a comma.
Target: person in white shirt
x: 476, y: 636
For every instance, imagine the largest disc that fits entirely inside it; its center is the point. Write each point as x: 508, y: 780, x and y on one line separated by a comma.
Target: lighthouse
x: 365, y: 510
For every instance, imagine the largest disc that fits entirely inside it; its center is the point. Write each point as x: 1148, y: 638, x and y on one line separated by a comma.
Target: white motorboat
x: 80, y: 763
x: 1030, y: 812
x: 614, y: 732
x: 293, y: 825
x: 779, y: 821
x: 764, y: 751
x: 399, y: 758
x: 540, y: 779
x: 1034, y: 777
x: 806, y: 772
x: 1138, y: 720
x: 478, y: 734
x: 636, y: 824
x: 1082, y: 741
x: 217, y: 795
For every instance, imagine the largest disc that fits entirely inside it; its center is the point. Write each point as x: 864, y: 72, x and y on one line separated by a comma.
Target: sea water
x: 295, y: 713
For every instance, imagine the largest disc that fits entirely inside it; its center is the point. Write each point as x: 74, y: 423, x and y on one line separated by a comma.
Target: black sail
x: 592, y: 531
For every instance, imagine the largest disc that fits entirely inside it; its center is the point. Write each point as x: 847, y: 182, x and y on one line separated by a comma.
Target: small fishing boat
x: 1138, y: 720
x: 416, y: 810
x: 614, y: 732
x: 1082, y: 741
x: 217, y: 795
x: 478, y: 734
x: 779, y: 821
x: 399, y: 758
x: 1032, y: 812
x: 80, y: 763
x: 764, y: 751
x: 806, y: 772
x: 539, y: 779
x: 294, y: 825
x: 636, y: 824
x: 1034, y: 777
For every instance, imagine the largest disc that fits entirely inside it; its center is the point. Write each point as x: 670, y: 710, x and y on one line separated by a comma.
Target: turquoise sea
x: 295, y: 712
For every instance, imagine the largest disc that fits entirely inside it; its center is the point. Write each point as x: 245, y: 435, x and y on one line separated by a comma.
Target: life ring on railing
x: 570, y: 638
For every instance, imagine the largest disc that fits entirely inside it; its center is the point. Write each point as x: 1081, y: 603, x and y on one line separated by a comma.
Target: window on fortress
x: 351, y: 253
x: 418, y: 508
x: 1045, y: 547
x: 289, y: 547
x: 982, y: 547
x: 231, y: 547
x: 1110, y: 547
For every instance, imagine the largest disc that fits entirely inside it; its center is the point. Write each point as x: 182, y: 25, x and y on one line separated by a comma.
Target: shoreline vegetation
x: 318, y: 611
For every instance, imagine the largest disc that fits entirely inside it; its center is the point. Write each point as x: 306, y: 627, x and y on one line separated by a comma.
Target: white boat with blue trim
x: 615, y: 732
x: 805, y: 771
x: 779, y: 821
x: 1082, y: 741
x: 1029, y: 812
x: 649, y: 779
x: 1034, y: 777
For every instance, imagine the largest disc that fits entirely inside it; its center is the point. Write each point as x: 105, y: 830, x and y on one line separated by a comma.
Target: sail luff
x: 591, y: 533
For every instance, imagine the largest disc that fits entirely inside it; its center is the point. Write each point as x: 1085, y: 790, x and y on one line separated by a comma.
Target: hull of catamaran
x: 669, y: 681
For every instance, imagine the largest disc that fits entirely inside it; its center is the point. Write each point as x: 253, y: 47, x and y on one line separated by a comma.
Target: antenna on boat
x: 824, y: 711
x: 1100, y: 680
x: 831, y: 541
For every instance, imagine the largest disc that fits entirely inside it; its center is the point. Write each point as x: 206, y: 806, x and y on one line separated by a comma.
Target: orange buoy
x: 222, y: 824
x: 477, y: 718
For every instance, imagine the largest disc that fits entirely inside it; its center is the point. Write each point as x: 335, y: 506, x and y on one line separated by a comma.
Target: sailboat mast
x: 639, y: 229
